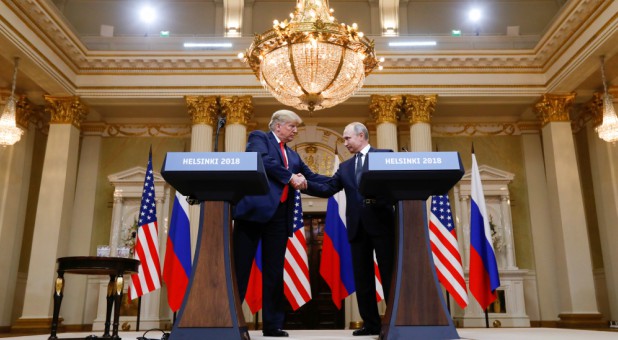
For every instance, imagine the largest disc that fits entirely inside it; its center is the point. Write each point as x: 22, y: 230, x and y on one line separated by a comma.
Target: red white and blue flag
x: 484, y: 278
x: 296, y: 285
x: 148, y: 277
x: 177, y: 264
x: 336, y: 262
x: 253, y: 296
x: 445, y: 249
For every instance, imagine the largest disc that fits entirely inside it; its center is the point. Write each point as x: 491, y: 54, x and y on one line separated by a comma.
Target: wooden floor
x: 464, y: 333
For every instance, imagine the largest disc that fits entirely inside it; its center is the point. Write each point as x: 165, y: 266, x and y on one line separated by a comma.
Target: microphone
x: 403, y: 148
x: 220, y: 124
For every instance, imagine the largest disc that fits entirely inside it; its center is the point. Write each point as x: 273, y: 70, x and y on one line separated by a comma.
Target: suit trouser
x: 362, y: 248
x: 274, y: 236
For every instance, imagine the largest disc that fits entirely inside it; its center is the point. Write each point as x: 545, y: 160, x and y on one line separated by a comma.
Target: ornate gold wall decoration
x: 238, y: 110
x: 482, y: 129
x: 24, y: 111
x: 418, y: 109
x: 384, y: 109
x: 554, y: 107
x: 66, y: 110
x: 203, y: 109
x: 318, y: 157
x: 146, y: 130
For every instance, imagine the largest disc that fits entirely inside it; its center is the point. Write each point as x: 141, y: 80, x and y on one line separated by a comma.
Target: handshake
x: 298, y: 182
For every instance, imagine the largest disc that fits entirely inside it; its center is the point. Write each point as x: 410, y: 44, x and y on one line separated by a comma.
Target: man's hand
x: 299, y: 182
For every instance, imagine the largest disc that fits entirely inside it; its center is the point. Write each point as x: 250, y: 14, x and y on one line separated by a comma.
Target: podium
x: 211, y: 308
x: 416, y: 307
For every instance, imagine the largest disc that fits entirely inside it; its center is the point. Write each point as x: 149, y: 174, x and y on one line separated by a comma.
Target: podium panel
x: 416, y: 307
x: 211, y: 308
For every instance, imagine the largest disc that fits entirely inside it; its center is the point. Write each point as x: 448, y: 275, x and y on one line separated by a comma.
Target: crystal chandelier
x: 10, y: 133
x: 608, y: 130
x: 311, y: 62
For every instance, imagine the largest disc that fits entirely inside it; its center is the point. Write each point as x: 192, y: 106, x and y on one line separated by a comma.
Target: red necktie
x: 284, y: 194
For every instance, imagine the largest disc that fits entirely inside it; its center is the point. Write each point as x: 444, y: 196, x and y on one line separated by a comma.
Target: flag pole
x: 139, y: 312
x: 486, y: 319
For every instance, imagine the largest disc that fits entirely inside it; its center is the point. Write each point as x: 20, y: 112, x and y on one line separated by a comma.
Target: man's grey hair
x: 283, y: 116
x: 358, y: 128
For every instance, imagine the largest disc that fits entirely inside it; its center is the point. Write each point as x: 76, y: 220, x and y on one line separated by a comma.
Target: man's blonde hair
x: 283, y: 116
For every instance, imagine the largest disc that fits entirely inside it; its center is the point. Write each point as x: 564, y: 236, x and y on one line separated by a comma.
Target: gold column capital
x: 384, y: 109
x: 66, y: 110
x: 203, y: 109
x: 594, y: 109
x: 24, y: 111
x: 237, y: 110
x: 554, y: 107
x: 418, y: 109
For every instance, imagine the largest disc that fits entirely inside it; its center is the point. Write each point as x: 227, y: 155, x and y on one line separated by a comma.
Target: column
x: 82, y: 221
x: 384, y: 110
x: 604, y: 168
x: 54, y: 209
x: 16, y: 163
x: 418, y: 110
x: 203, y: 111
x: 578, y: 307
x: 238, y: 111
x: 542, y: 233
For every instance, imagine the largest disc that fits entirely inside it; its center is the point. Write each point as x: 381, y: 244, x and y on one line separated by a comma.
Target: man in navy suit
x: 370, y: 226
x: 270, y: 216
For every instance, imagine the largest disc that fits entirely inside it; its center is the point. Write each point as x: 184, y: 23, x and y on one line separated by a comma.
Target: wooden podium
x: 416, y: 307
x: 211, y: 308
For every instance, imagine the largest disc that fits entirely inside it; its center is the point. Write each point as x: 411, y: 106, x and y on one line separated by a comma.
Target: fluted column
x: 603, y: 164
x: 384, y: 110
x: 566, y: 207
x: 418, y: 110
x: 55, y: 207
x: 16, y: 163
x: 238, y: 112
x: 203, y: 111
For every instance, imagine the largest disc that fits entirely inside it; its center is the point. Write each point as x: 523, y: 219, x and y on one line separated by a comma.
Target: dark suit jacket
x: 261, y: 208
x: 378, y: 218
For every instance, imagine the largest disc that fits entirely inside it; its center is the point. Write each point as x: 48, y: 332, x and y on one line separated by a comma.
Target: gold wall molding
x: 203, y: 109
x: 384, y: 109
x: 483, y: 129
x: 554, y: 107
x: 147, y: 130
x: 66, y: 110
x: 238, y: 110
x: 419, y: 108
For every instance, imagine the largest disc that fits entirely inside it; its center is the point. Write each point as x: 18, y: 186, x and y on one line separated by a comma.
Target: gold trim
x: 66, y: 110
x: 554, y: 107
x: 238, y: 110
x: 203, y: 109
x: 419, y: 108
x: 384, y: 109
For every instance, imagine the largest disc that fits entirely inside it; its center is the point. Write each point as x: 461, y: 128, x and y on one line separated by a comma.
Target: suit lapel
x: 273, y: 141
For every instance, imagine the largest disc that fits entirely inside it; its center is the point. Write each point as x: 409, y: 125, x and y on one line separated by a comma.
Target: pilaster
x: 418, y: 111
x: 238, y: 111
x: 55, y: 207
x: 578, y: 307
x: 384, y: 110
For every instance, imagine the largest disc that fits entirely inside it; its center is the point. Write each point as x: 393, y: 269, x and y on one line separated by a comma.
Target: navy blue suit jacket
x: 377, y: 218
x: 261, y: 208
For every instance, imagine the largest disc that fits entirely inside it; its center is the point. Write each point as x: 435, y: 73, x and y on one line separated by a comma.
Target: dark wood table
x: 115, y: 267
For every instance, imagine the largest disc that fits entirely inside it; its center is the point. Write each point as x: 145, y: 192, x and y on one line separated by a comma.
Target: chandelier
x: 311, y: 62
x: 10, y: 133
x: 608, y: 130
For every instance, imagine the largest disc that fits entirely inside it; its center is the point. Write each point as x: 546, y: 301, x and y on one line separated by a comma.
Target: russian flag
x: 484, y: 278
x: 336, y: 263
x: 253, y: 297
x: 177, y: 265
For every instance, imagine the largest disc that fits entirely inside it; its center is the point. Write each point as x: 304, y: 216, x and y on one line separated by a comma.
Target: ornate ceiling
x: 131, y: 77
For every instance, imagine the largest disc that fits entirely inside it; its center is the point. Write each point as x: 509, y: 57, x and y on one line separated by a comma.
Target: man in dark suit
x: 370, y: 226
x: 270, y: 216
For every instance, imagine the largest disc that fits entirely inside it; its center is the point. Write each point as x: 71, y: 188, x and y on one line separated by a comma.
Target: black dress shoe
x: 275, y: 332
x: 366, y: 331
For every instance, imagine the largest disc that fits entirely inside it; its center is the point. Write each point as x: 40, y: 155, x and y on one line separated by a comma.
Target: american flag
x: 445, y: 249
x: 148, y: 277
x: 296, y: 267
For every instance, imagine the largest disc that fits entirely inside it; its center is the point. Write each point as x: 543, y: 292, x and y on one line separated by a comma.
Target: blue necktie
x: 359, y: 167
